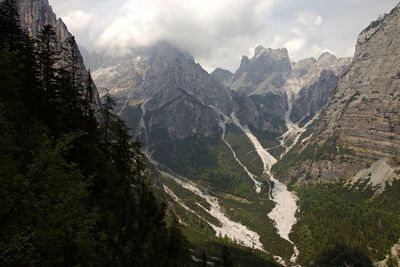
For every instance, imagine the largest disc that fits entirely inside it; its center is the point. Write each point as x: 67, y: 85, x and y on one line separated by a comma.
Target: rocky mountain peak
x: 244, y: 66
x: 374, y: 27
x: 164, y: 89
x: 222, y: 75
x: 304, y: 66
x: 327, y: 57
x: 269, y: 60
x: 259, y: 49
x: 280, y: 53
x: 165, y: 51
x: 264, y: 72
x: 35, y: 14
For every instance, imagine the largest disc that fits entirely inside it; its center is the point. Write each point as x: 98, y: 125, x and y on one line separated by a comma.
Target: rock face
x: 223, y: 76
x: 94, y: 60
x: 313, y: 97
x: 270, y: 89
x: 361, y: 124
x: 266, y: 72
x: 35, y: 14
x: 164, y: 94
x: 316, y: 80
x: 259, y: 83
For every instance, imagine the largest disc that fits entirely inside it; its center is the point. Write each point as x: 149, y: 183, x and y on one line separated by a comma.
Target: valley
x: 144, y: 156
x: 244, y: 133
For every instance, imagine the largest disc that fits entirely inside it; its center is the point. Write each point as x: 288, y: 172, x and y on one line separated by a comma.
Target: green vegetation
x: 208, y: 161
x: 244, y: 150
x: 342, y: 255
x: 266, y: 140
x: 328, y: 150
x: 333, y: 214
x: 202, y: 237
x: 73, y: 186
x: 255, y: 216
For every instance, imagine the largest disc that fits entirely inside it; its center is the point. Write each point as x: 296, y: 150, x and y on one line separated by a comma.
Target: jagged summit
x: 223, y: 76
x: 271, y: 65
x: 273, y: 53
x: 35, y: 14
x: 327, y: 56
x: 164, y: 50
x: 165, y: 83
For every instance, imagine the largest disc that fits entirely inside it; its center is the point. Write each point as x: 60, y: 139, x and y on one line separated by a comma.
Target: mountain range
x: 281, y: 157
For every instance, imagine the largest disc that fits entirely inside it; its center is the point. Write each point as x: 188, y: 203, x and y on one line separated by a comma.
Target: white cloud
x: 192, y: 24
x: 78, y: 20
x: 297, y: 31
x: 350, y: 51
x: 309, y: 18
x: 218, y: 32
x: 295, y: 45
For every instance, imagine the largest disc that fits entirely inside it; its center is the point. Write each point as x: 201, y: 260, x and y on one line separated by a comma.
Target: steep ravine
x: 284, y: 212
x: 228, y: 228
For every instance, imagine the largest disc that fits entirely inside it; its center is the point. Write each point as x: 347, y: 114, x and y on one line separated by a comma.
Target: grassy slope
x: 244, y: 150
x: 208, y: 161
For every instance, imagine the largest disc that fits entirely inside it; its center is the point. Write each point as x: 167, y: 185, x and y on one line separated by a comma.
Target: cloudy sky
x: 218, y: 32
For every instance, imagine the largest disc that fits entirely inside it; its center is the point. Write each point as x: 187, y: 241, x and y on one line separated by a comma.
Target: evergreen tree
x: 226, y: 257
x: 342, y: 255
x: 71, y: 193
x: 72, y: 95
x: 107, y: 121
x: 47, y: 56
x: 10, y: 32
x: 89, y: 106
x: 203, y: 260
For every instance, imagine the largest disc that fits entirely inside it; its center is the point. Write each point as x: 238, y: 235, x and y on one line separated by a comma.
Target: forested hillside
x: 73, y: 187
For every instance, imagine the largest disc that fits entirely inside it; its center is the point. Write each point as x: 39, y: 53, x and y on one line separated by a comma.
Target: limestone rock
x: 363, y: 114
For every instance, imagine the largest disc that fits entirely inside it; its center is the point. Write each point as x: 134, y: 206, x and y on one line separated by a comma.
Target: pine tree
x: 107, y: 120
x: 72, y: 85
x: 10, y: 32
x: 47, y: 56
x: 89, y: 106
x: 203, y: 260
x: 226, y: 257
x: 70, y: 194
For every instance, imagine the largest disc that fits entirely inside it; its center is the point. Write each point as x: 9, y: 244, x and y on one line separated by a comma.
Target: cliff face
x: 267, y: 71
x: 35, y: 14
x: 317, y: 79
x: 270, y: 90
x: 361, y: 123
x: 164, y: 94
